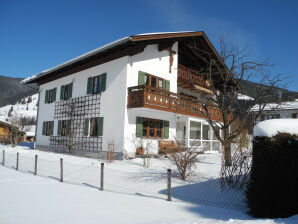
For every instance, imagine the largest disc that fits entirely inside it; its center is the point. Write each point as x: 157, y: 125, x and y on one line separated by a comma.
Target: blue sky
x: 37, y: 35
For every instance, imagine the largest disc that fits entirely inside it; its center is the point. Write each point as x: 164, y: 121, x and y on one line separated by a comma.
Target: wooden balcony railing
x: 145, y: 96
x: 190, y: 76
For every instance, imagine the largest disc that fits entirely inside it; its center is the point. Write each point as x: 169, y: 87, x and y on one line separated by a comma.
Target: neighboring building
x: 5, y: 132
x: 141, y: 86
x: 283, y: 110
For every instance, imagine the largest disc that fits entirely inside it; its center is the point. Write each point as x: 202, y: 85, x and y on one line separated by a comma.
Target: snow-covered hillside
x: 27, y: 107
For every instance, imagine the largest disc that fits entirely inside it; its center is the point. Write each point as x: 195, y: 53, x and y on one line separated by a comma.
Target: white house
x: 287, y: 109
x: 140, y: 86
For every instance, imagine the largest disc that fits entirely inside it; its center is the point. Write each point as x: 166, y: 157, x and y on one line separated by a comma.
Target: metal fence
x: 149, y: 184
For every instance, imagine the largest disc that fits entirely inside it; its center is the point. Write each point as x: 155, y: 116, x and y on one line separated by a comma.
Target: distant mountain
x: 252, y: 89
x: 12, y: 91
x: 26, y: 107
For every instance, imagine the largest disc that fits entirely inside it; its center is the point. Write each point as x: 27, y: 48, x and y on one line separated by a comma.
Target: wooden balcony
x: 145, y: 96
x: 190, y: 79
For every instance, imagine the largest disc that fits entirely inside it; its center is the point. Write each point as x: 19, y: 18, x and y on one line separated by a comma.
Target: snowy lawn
x: 31, y: 199
x: 131, y: 177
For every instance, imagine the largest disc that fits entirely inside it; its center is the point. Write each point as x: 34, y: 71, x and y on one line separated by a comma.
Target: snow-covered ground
x: 26, y: 198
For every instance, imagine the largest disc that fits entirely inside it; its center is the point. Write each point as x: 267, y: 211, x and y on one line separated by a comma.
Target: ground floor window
x: 195, y: 130
x: 152, y: 128
x: 48, y: 128
x: 64, y: 127
x: 93, y: 126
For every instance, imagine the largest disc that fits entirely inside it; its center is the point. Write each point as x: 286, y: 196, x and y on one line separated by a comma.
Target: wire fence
x: 153, y: 184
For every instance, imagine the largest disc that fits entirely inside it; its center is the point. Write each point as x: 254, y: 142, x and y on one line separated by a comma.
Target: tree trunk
x: 228, y: 155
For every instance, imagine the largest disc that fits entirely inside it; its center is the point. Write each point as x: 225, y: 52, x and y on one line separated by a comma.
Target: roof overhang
x: 126, y: 46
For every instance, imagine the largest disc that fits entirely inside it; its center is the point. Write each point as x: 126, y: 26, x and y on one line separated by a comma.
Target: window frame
x: 149, y: 81
x: 51, y: 95
x: 65, y: 128
x: 66, y: 91
x: 155, y: 128
x: 48, y: 128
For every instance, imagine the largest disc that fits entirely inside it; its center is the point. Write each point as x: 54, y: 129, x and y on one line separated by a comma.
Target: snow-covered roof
x: 289, y: 105
x: 99, y: 50
x: 272, y: 127
x: 244, y: 97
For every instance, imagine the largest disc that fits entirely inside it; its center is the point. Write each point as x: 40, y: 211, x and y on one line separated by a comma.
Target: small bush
x: 273, y: 188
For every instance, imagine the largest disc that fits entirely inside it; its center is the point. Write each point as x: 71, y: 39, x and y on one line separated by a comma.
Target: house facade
x: 139, y: 87
x: 287, y: 109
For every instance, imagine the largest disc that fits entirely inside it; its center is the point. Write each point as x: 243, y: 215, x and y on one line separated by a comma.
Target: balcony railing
x: 145, y: 96
x: 190, y: 76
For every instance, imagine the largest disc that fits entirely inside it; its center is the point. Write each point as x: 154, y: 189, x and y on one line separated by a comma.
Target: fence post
x: 169, y: 185
x: 35, y: 165
x: 61, y: 170
x: 3, y: 158
x: 17, y: 165
x: 101, y: 175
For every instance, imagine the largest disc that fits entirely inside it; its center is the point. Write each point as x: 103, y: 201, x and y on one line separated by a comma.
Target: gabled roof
x: 127, y: 46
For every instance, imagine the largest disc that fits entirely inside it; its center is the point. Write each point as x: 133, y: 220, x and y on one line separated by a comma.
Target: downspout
x: 38, y: 103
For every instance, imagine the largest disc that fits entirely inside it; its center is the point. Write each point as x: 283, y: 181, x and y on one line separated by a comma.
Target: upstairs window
x: 153, y: 81
x: 96, y: 84
x: 47, y: 128
x: 66, y: 92
x: 50, y: 95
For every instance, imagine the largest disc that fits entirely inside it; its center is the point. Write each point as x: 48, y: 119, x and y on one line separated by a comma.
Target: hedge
x: 273, y: 188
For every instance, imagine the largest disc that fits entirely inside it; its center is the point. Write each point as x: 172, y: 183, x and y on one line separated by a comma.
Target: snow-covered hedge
x: 272, y: 189
x: 270, y: 128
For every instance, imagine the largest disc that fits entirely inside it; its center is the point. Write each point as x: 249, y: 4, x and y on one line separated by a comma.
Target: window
x: 47, y: 128
x: 96, y: 84
x: 50, y: 95
x: 93, y: 126
x: 206, y: 132
x: 152, y: 128
x: 153, y: 81
x: 295, y: 115
x: 269, y: 116
x: 66, y: 92
x: 195, y: 130
x: 64, y: 127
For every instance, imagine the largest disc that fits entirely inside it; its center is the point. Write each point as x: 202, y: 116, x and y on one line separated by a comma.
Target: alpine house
x: 139, y: 87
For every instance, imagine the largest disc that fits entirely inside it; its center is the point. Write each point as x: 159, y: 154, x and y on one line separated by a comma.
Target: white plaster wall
x: 130, y: 128
x: 113, y: 100
x: 156, y: 63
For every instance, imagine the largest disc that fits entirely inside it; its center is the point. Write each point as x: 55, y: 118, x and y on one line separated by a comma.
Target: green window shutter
x: 89, y: 85
x: 86, y: 127
x: 46, y: 100
x: 70, y: 90
x: 59, y: 128
x: 54, y: 95
x: 68, y: 128
x: 141, y: 80
x: 166, y: 125
x: 139, y: 127
x: 44, y: 124
x: 62, y: 93
x: 167, y: 85
x: 103, y: 81
x: 99, y: 121
x: 52, y: 128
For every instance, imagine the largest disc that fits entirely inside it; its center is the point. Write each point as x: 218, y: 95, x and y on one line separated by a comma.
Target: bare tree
x: 15, y: 129
x: 224, y: 74
x: 143, y: 147
x: 184, y: 159
x: 73, y: 127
